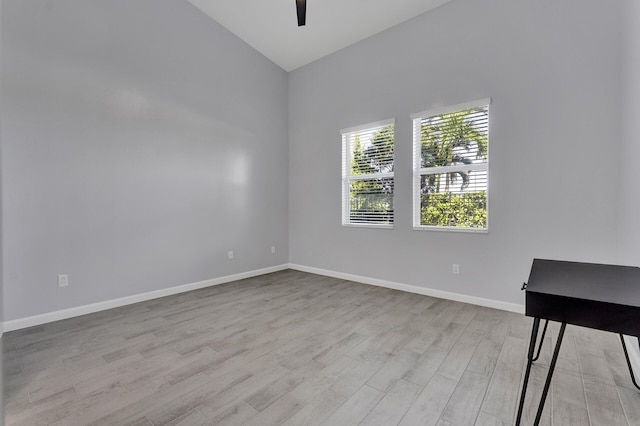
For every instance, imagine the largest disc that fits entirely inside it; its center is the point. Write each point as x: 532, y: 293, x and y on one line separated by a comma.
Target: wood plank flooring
x: 292, y: 348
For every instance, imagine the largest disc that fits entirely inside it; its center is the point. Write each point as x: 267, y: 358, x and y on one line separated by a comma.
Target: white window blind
x: 367, y: 174
x: 451, y: 167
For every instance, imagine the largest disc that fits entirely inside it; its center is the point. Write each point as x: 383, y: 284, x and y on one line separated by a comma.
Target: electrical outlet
x: 230, y: 254
x: 273, y: 249
x: 456, y: 268
x: 63, y: 280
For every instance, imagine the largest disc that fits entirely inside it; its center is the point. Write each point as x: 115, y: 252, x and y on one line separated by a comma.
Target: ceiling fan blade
x: 301, y: 7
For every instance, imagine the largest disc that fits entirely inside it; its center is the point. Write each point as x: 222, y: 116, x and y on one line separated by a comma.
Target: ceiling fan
x: 301, y: 7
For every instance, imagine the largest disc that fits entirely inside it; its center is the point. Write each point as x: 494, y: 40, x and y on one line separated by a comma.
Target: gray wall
x: 630, y: 191
x: 1, y: 198
x: 142, y: 141
x: 552, y: 70
x: 1, y: 246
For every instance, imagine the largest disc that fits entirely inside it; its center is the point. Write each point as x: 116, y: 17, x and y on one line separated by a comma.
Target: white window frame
x: 347, y: 177
x: 418, y: 171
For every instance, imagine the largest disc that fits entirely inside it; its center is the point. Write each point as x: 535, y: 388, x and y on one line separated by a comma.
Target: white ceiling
x: 271, y: 26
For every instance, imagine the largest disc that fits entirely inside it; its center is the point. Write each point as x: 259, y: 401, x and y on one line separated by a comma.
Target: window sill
x: 368, y: 225
x: 451, y: 229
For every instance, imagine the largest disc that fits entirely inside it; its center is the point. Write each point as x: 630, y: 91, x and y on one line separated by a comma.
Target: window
x: 451, y: 167
x: 367, y: 175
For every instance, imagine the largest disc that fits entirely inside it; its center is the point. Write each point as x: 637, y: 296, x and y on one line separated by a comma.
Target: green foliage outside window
x: 467, y: 210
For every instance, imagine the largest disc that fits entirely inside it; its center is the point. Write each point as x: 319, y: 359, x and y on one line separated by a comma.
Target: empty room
x: 322, y: 212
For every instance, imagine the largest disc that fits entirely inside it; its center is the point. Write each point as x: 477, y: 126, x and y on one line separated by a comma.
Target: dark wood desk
x: 604, y: 297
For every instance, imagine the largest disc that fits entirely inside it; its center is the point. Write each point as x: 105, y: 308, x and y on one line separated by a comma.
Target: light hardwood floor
x: 293, y: 348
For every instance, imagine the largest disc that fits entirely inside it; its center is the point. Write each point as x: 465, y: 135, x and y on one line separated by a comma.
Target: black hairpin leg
x: 532, y: 347
x: 626, y: 355
x: 530, y: 360
x: 544, y: 331
x: 552, y: 367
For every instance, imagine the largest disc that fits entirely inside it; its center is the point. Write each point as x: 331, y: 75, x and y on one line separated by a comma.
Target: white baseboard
x: 31, y: 321
x: 115, y: 303
x: 634, y: 351
x: 490, y: 303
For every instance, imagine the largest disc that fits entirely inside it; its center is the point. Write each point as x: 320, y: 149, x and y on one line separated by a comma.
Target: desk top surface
x: 588, y: 281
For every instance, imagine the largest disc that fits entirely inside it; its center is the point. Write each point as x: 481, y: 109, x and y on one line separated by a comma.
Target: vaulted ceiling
x: 270, y: 26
